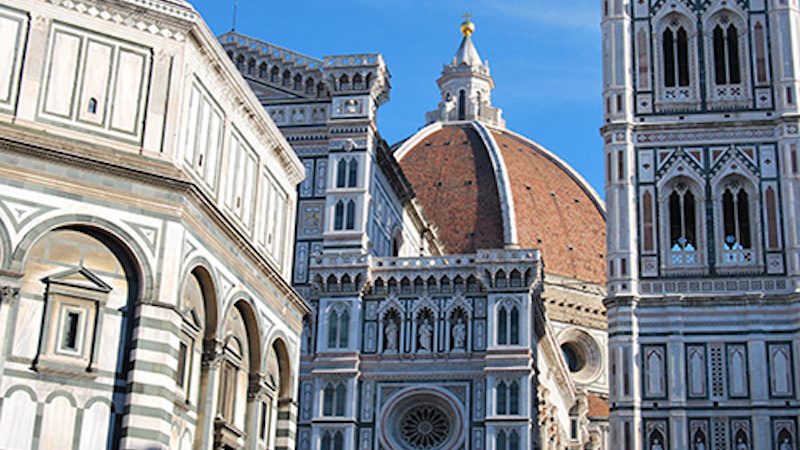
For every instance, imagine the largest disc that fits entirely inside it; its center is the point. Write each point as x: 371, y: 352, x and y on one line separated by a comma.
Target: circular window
x: 422, y: 419
x: 573, y: 356
x: 425, y: 427
x: 582, y: 354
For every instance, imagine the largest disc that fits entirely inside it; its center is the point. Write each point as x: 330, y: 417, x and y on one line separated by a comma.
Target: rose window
x: 425, y: 427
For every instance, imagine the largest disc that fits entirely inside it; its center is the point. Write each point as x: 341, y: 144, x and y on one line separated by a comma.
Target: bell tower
x: 700, y: 145
x: 466, y: 85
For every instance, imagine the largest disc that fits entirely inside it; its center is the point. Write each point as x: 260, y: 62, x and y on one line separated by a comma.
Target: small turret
x: 466, y: 84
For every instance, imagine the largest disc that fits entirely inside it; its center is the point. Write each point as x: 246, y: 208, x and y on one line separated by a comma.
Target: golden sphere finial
x: 467, y: 27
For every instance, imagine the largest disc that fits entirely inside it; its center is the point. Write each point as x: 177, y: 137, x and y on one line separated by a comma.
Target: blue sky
x: 544, y: 56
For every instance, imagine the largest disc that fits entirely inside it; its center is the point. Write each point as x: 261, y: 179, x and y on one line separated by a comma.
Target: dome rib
x: 510, y: 239
x: 485, y: 187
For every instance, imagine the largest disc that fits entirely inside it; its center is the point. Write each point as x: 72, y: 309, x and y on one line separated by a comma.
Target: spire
x: 466, y: 84
x: 467, y: 53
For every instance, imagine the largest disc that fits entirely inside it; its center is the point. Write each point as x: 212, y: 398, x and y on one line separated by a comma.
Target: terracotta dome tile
x: 452, y: 174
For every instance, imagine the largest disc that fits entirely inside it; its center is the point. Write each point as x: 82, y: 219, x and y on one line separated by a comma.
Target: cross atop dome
x: 467, y: 27
x: 466, y: 84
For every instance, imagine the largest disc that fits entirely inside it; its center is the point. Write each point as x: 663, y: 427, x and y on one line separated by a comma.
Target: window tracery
x: 425, y: 427
x: 334, y: 399
x: 675, y: 47
x: 338, y: 327
x: 332, y: 440
x: 682, y: 226
x: 507, y: 401
x: 737, y: 223
x: 508, y: 324
x: 727, y: 68
x: 675, y: 66
x: 344, y: 215
x: 507, y: 440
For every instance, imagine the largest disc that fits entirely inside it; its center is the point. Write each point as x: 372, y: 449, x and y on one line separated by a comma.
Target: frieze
x: 134, y: 17
x: 714, y: 286
x: 684, y: 136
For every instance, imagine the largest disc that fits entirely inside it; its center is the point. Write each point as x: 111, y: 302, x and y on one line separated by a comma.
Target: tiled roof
x: 598, y: 406
x: 452, y: 176
x: 452, y: 173
x: 554, y: 211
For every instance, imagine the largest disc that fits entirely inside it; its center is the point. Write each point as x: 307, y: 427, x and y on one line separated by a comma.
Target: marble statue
x: 740, y: 444
x: 391, y: 336
x: 425, y: 332
x: 459, y: 334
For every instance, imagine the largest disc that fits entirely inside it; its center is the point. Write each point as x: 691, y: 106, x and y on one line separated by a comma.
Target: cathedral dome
x: 486, y: 187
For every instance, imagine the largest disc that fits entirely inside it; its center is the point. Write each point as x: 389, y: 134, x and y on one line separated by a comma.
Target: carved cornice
x: 170, y: 19
x: 143, y: 170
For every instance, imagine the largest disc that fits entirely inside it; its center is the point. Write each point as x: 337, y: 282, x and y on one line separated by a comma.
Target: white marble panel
x: 60, y: 84
x: 58, y: 424
x: 16, y: 422
x: 128, y: 93
x: 94, y: 428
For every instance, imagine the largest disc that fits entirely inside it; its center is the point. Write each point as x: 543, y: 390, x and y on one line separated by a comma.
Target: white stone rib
x: 503, y: 185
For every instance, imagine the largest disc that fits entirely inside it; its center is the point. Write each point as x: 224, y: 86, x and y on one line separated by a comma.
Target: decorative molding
x: 703, y: 135
x: 168, y: 19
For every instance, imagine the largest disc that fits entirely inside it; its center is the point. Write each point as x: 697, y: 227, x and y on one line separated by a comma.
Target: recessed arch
x: 101, y: 229
x: 247, y: 310
x: 281, y: 351
x: 200, y: 268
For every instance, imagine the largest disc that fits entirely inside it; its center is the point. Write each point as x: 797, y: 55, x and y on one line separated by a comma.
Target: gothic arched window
x: 358, y: 82
x: 338, y: 216
x: 462, y: 105
x: 309, y: 86
x: 332, y: 440
x: 502, y: 398
x: 287, y: 78
x: 508, y: 325
x: 298, y: 82
x: 338, y: 328
x: 675, y: 47
x: 726, y: 53
x: 352, y: 173
x: 735, y: 218
x: 344, y: 215
x: 500, y: 440
x: 273, y: 74
x: 507, y: 398
x: 262, y: 70
x: 350, y: 222
x: 682, y: 217
x: 507, y: 440
x: 334, y: 399
x: 341, y: 173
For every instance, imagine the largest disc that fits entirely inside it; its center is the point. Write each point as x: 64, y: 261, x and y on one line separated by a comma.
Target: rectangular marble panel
x: 128, y: 92
x: 63, y: 71
x: 96, y: 73
x: 12, y: 34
